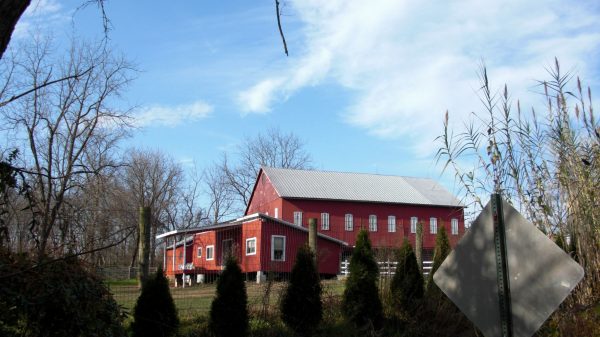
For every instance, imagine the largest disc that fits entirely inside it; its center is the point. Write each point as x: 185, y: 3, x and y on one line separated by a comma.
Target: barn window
x: 277, y: 248
x: 373, y: 223
x: 413, y: 224
x: 325, y: 221
x: 210, y: 253
x: 276, y: 213
x: 298, y: 218
x: 200, y: 251
x: 251, y: 246
x: 348, y: 223
x: 391, y: 224
x: 433, y: 225
x: 454, y: 226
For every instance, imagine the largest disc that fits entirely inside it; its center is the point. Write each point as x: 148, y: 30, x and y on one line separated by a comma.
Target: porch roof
x: 239, y: 222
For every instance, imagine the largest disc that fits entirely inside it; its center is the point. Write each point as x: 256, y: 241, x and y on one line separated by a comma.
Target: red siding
x: 178, y: 258
x: 251, y: 263
x: 262, y: 230
x: 329, y: 252
x: 264, y: 198
x: 361, y: 211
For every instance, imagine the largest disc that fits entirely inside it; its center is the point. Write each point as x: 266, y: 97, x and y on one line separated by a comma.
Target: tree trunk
x: 10, y: 12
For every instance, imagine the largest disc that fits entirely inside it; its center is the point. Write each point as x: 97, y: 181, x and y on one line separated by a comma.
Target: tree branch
x: 278, y: 12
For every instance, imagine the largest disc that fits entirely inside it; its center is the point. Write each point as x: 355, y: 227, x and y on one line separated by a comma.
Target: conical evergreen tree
x: 155, y: 313
x: 361, y: 304
x: 407, y: 283
x: 301, y: 307
x: 229, y: 309
x: 440, y: 252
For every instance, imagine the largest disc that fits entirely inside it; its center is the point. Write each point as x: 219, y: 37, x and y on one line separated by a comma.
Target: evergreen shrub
x: 155, y: 313
x: 229, y: 309
x: 361, y: 304
x: 301, y: 307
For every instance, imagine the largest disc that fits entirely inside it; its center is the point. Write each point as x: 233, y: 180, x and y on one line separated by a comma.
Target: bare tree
x: 273, y: 149
x: 153, y: 179
x: 221, y: 197
x: 56, y: 124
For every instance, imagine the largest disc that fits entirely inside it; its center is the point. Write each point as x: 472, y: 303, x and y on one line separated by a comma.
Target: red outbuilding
x: 276, y: 220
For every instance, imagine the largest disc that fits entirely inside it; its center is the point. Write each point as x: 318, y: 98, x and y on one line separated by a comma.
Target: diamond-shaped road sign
x: 540, y: 274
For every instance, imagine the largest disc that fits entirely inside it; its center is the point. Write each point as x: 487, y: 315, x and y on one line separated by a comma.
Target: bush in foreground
x: 407, y: 283
x: 54, y: 298
x: 361, y: 304
x: 301, y: 308
x: 229, y: 309
x: 155, y: 313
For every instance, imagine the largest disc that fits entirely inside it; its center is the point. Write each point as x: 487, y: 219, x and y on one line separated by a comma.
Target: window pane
x: 373, y: 223
x: 391, y: 223
x: 433, y: 225
x: 325, y: 221
x: 278, y: 248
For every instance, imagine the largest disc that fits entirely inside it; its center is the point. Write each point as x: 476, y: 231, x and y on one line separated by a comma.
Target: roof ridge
x: 344, y: 172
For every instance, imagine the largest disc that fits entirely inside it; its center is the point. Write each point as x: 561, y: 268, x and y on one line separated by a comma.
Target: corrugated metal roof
x: 238, y: 222
x: 308, y: 184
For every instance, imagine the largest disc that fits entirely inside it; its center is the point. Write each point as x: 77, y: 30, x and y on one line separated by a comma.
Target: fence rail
x: 386, y: 267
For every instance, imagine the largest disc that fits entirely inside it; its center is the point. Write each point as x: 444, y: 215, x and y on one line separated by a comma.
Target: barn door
x: 226, y: 251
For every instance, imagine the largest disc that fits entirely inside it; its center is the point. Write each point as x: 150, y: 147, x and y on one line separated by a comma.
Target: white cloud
x: 160, y: 115
x: 40, y: 16
x: 407, y: 62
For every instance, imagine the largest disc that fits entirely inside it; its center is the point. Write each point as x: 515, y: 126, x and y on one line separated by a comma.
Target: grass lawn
x: 195, y: 301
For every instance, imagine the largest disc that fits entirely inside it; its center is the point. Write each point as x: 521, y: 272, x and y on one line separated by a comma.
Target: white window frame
x: 433, y: 225
x: 276, y: 213
x: 349, y: 222
x: 413, y: 224
x: 454, y: 227
x: 298, y: 218
x: 391, y: 223
x: 210, y: 248
x: 325, y: 221
x: 199, y: 252
x: 250, y: 240
x: 273, y: 237
x: 372, y: 223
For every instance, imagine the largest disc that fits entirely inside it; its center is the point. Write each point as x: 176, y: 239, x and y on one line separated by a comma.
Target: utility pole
x: 312, y: 237
x: 144, y: 244
x: 419, y: 245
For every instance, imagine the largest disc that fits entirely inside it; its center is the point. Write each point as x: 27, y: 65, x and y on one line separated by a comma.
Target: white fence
x: 386, y: 267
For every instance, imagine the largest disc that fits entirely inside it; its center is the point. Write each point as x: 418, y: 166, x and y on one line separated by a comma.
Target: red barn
x: 389, y: 207
x: 282, y: 201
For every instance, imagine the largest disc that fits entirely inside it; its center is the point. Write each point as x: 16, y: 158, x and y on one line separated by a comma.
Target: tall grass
x: 546, y: 164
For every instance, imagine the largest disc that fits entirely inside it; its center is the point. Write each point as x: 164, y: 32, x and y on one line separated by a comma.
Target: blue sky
x: 366, y: 84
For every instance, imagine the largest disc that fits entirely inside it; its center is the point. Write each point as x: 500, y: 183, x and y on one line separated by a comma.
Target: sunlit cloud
x: 171, y: 116
x: 408, y: 62
x: 41, y: 15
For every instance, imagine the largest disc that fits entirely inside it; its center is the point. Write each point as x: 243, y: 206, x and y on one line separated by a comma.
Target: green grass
x: 196, y: 300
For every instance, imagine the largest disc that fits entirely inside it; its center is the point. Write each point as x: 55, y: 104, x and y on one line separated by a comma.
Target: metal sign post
x: 505, y: 275
x: 502, y: 266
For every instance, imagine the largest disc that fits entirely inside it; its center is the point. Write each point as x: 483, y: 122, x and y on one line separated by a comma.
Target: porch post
x: 173, y: 258
x: 183, y: 269
x: 164, y: 265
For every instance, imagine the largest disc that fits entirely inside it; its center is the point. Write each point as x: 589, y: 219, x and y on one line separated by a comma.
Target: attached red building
x: 261, y: 244
x: 276, y: 219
